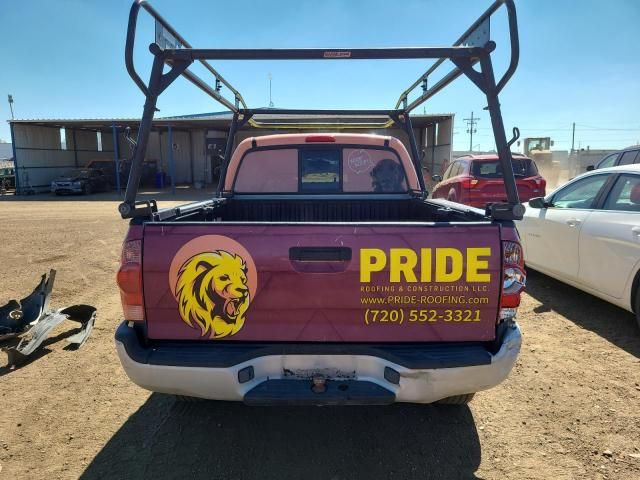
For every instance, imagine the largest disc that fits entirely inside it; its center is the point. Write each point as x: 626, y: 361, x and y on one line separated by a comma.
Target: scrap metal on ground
x: 26, y: 324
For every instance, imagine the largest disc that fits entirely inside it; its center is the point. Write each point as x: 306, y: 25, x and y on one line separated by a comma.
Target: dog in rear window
x: 387, y: 177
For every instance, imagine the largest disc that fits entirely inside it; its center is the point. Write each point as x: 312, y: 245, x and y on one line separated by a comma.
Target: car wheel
x: 87, y: 189
x: 456, y: 399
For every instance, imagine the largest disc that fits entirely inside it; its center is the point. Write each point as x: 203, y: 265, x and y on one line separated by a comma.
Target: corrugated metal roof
x: 62, y: 120
x: 225, y: 113
x: 207, y: 120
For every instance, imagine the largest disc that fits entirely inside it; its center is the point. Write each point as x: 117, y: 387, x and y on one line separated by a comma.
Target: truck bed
x: 274, y: 208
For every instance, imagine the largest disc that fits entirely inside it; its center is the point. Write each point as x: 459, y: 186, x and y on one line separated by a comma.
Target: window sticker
x: 359, y: 161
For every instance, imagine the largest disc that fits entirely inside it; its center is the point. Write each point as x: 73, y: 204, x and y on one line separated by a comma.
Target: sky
x: 579, y: 61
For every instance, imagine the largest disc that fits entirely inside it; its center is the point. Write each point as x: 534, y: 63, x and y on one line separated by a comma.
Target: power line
x: 568, y: 129
x: 589, y: 127
x: 612, y: 137
x: 542, y: 129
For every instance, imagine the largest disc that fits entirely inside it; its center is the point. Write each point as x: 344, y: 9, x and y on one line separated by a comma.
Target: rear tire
x: 457, y: 399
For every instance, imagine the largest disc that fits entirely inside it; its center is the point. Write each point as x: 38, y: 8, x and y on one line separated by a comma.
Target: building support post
x: 15, y: 159
x: 75, y: 147
x: 191, y: 161
x: 433, y: 149
x: 172, y: 168
x: 116, y: 157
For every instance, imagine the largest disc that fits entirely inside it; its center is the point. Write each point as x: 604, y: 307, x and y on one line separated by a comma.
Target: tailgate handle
x: 320, y: 254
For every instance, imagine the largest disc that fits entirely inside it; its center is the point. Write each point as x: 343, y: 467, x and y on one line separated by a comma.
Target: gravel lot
x: 569, y: 410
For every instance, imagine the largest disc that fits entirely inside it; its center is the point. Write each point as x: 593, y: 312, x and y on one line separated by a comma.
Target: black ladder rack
x: 473, y: 48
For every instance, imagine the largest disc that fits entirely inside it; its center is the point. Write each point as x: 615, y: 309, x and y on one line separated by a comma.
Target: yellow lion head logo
x: 212, y: 292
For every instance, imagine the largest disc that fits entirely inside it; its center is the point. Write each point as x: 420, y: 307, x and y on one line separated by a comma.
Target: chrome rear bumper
x: 356, y: 378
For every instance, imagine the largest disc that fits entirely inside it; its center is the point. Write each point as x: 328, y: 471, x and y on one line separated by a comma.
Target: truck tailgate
x: 322, y: 282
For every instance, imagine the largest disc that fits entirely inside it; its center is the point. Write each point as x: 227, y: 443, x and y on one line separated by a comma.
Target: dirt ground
x: 569, y: 410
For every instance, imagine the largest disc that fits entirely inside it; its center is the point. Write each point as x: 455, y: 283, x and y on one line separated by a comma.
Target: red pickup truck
x: 321, y: 273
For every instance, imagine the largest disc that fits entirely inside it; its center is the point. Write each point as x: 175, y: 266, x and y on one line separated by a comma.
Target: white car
x: 587, y: 234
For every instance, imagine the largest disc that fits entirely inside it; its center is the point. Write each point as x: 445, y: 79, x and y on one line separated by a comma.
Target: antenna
x: 270, y: 100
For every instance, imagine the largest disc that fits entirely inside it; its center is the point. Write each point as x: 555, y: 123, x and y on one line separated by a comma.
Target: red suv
x: 476, y: 180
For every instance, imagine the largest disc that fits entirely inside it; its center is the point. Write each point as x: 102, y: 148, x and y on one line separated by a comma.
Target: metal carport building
x: 186, y: 148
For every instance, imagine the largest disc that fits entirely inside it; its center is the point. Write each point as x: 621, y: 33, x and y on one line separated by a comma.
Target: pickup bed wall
x: 266, y: 210
x: 321, y: 282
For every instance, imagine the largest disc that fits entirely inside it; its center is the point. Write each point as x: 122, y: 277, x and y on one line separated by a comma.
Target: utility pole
x: 471, y: 128
x: 10, y: 99
x: 270, y: 101
x: 573, y: 136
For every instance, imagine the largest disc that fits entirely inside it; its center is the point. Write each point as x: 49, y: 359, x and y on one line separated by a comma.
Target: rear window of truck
x: 321, y: 170
x: 522, y: 167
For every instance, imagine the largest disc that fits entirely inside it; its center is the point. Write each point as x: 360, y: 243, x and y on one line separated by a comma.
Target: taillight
x: 468, y: 182
x: 129, y: 280
x: 512, y: 253
x: 540, y: 182
x: 514, y: 279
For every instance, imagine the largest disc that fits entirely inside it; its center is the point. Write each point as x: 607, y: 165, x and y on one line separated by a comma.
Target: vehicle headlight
x: 77, y: 184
